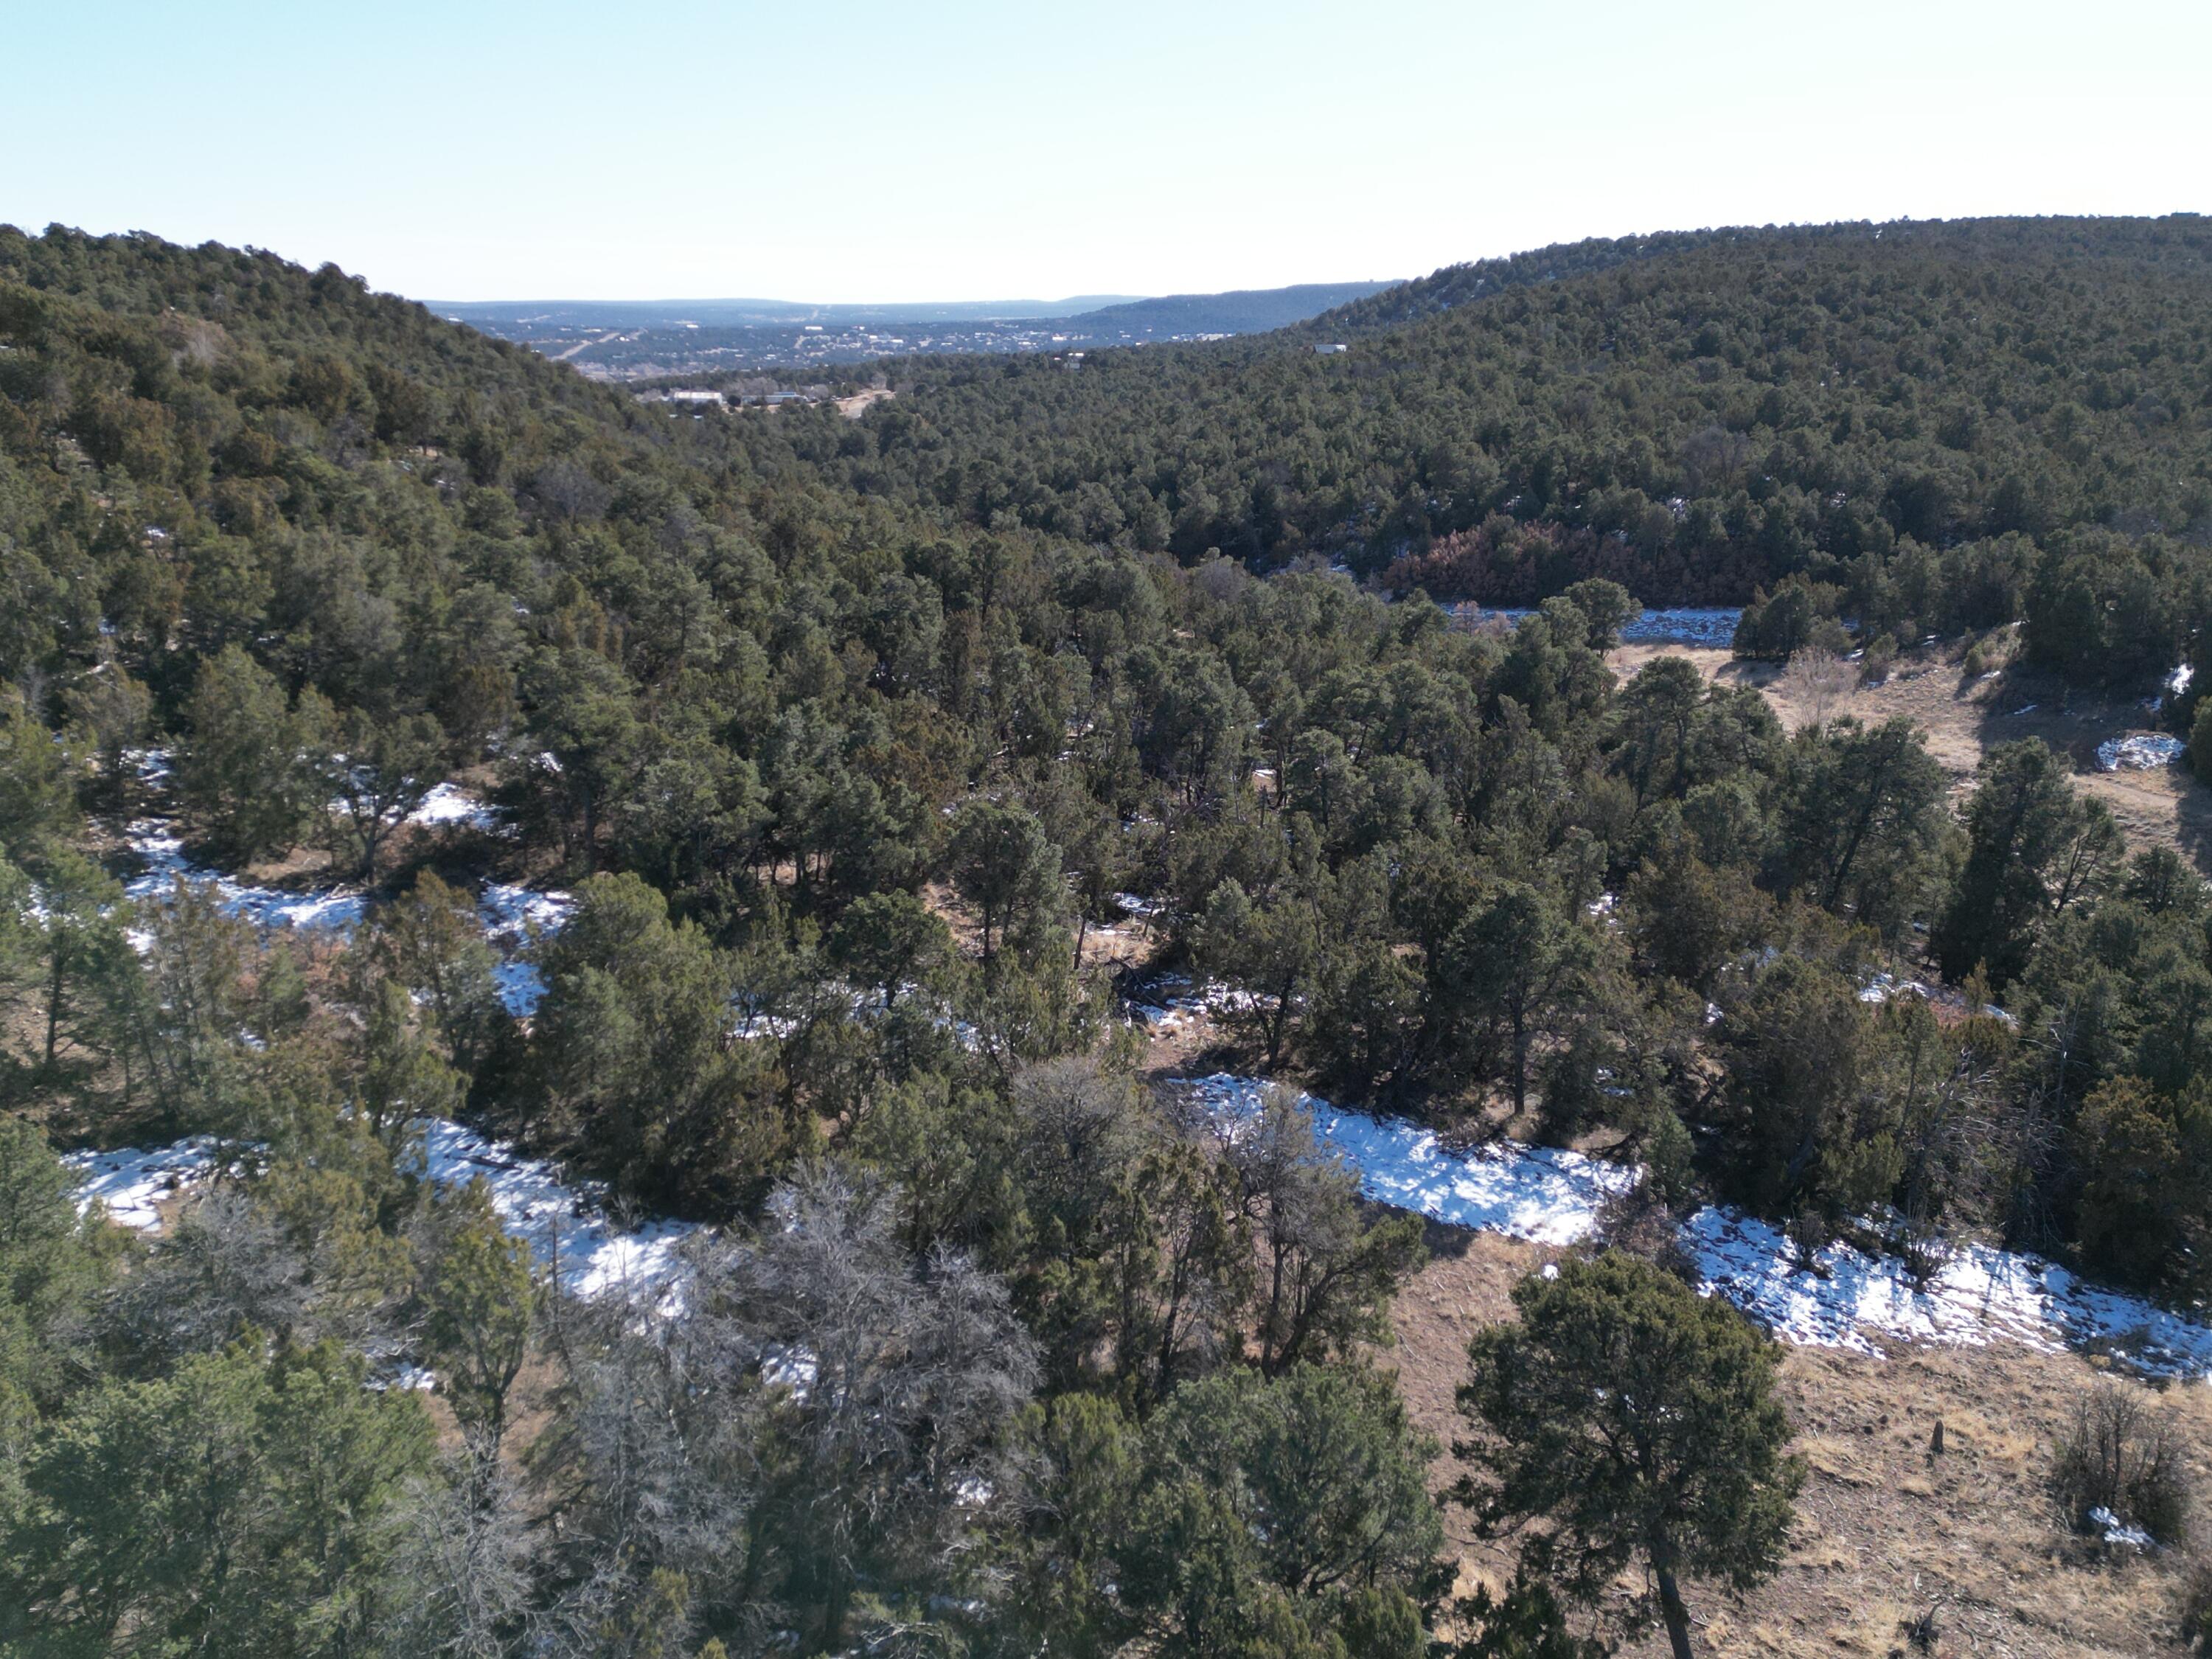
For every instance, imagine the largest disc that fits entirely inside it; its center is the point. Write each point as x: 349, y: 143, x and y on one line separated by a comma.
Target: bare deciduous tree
x: 462, y: 1564
x: 1818, y: 681
x: 225, y: 1267
x: 2120, y: 1463
x: 1327, y: 1271
x: 829, y: 1411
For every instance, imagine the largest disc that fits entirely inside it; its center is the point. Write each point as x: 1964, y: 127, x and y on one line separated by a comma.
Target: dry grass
x: 1885, y: 1531
x: 1965, y: 717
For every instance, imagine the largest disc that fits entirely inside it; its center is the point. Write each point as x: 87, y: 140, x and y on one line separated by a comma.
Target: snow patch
x: 1887, y: 987
x: 134, y: 1183
x: 2117, y: 1532
x: 1169, y: 1002
x: 451, y: 804
x: 1838, y: 1298
x: 2140, y: 753
x: 156, y: 842
x: 567, y: 1224
x: 1977, y: 1296
x: 1711, y: 627
x: 513, y: 917
x: 1535, y: 1193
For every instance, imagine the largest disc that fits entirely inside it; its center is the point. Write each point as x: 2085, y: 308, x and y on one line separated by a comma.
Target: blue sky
x: 849, y: 150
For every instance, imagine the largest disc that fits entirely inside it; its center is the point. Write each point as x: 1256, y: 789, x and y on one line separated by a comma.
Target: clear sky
x: 853, y: 150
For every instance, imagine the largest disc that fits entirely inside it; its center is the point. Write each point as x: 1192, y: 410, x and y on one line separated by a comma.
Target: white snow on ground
x: 451, y: 804
x: 155, y: 841
x: 2117, y: 1532
x: 1843, y: 1299
x: 1886, y: 987
x: 566, y: 1222
x: 135, y: 1182
x: 1698, y: 625
x: 510, y: 912
x: 512, y: 916
x: 1847, y: 1299
x: 2140, y: 753
x: 1169, y: 1001
x: 1533, y: 1193
x: 1683, y: 625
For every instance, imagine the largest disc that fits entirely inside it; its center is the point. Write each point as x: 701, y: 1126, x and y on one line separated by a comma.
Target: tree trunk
x: 1268, y: 1354
x: 1520, y: 1059
x: 54, y: 998
x: 1677, y: 1615
x: 1281, y: 1019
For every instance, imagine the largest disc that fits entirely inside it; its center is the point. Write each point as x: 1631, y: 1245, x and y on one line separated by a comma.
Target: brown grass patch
x: 1885, y: 1531
x: 1965, y: 717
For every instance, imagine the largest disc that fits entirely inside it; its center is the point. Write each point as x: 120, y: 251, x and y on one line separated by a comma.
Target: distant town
x: 663, y: 341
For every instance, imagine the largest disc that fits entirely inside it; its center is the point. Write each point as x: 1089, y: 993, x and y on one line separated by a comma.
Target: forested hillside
x: 836, y: 743
x: 1915, y: 407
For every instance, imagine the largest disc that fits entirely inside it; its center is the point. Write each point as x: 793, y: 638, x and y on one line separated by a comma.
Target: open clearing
x: 1965, y: 717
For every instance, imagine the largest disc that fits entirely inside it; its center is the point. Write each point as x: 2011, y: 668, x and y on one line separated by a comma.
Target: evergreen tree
x: 481, y: 1295
x: 381, y: 771
x: 249, y: 770
x: 2035, y: 847
x: 631, y: 1048
x: 1004, y: 867
x: 1636, y: 1421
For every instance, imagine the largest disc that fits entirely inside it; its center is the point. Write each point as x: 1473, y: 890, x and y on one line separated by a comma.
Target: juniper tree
x: 249, y: 769
x: 1635, y: 1421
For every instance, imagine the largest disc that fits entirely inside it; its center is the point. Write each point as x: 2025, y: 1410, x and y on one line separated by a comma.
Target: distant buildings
x: 743, y: 396
x: 1331, y: 350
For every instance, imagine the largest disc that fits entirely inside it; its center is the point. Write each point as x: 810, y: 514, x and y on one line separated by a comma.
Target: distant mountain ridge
x: 649, y: 339
x: 1241, y: 311
x: 1237, y: 310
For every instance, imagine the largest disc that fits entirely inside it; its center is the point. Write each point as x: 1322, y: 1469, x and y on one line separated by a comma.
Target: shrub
x: 2119, y: 1459
x: 2200, y: 740
x: 2196, y: 1630
x: 1876, y: 662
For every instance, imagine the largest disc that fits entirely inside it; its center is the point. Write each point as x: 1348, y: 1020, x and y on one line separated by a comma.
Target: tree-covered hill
x: 1694, y: 415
